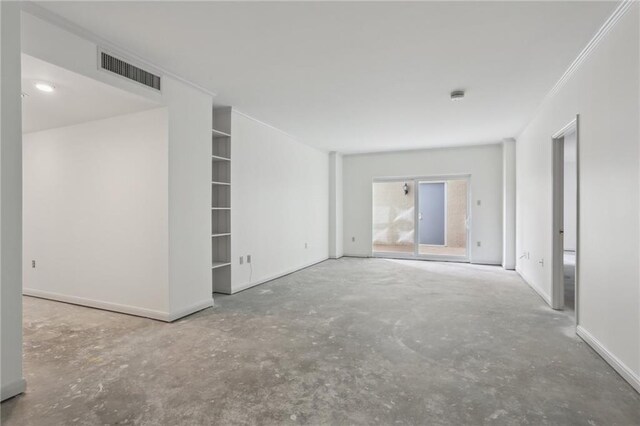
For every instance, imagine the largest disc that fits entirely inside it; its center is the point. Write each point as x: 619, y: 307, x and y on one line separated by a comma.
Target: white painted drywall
x: 570, y: 192
x: 335, y: 206
x: 604, y: 91
x: 10, y: 202
x: 483, y: 163
x: 95, y: 213
x: 189, y: 158
x: 509, y: 204
x: 190, y: 124
x: 279, y: 202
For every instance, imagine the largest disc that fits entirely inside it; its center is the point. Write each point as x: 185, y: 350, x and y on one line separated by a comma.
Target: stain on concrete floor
x: 352, y: 341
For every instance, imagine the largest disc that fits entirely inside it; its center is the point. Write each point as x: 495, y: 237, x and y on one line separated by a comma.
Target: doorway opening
x: 421, y: 218
x: 94, y: 189
x: 565, y: 219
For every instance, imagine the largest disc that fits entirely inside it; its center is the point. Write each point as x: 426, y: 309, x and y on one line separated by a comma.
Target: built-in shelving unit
x: 221, y: 200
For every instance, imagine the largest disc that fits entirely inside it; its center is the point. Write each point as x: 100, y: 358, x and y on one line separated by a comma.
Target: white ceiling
x: 361, y: 76
x: 76, y: 99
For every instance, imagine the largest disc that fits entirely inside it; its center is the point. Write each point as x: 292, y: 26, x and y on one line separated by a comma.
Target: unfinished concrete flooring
x: 353, y: 341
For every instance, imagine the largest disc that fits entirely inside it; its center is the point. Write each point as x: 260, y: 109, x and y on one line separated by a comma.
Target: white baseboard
x: 107, y: 306
x: 190, y: 310
x: 508, y: 266
x: 12, y: 389
x: 535, y: 288
x: 274, y: 277
x: 486, y: 262
x: 611, y: 359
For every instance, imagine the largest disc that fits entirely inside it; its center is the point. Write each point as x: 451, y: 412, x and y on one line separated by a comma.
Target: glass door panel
x: 394, y: 217
x: 442, y: 218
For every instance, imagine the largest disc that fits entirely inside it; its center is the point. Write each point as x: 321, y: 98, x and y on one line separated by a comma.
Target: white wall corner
x: 335, y: 206
x: 196, y: 307
x: 13, y: 382
x: 9, y: 390
x: 509, y: 204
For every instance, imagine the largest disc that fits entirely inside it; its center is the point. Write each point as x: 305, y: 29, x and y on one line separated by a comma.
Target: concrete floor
x: 353, y: 341
x: 570, y: 281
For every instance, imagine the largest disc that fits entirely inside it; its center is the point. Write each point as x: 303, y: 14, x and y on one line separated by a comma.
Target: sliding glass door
x: 425, y: 218
x: 394, y: 217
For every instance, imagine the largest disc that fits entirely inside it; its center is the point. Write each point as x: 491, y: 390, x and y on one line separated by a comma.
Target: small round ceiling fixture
x: 457, y: 95
x: 45, y: 87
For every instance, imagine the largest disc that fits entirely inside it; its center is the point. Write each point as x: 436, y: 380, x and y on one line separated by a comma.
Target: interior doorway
x: 565, y: 219
x: 94, y: 183
x: 421, y: 218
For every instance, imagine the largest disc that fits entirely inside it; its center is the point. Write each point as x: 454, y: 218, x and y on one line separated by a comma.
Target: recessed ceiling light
x: 457, y: 95
x: 45, y: 87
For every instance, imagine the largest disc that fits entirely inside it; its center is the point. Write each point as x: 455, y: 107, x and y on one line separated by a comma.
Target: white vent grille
x: 124, y: 69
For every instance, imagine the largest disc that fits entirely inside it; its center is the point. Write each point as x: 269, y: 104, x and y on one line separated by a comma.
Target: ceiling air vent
x: 120, y: 67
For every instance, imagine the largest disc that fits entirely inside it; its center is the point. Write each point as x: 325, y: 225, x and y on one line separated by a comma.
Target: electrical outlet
x: 33, y: 263
x: 248, y: 258
x: 479, y: 202
x: 353, y: 239
x: 241, y: 260
x: 306, y: 245
x: 478, y: 243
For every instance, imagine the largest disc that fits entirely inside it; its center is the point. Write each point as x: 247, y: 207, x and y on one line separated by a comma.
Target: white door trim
x: 557, y: 261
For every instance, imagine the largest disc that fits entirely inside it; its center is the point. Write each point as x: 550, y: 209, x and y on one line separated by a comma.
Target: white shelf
x: 219, y: 134
x: 220, y: 264
x: 221, y: 199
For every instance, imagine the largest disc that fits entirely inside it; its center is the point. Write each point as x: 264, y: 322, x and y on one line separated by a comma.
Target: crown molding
x: 272, y: 127
x: 608, y: 25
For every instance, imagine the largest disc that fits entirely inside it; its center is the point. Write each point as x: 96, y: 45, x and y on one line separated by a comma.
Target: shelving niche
x: 221, y: 200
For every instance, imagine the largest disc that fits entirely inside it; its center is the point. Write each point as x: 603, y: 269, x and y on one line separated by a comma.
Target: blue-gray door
x: 432, y: 213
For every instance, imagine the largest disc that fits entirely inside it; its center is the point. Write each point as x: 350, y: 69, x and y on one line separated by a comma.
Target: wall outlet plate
x: 248, y: 258
x: 241, y: 260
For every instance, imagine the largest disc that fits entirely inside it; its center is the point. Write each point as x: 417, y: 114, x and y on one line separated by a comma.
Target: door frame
x: 557, y: 238
x: 415, y: 255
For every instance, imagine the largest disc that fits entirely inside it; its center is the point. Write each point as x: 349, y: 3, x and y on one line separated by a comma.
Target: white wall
x: 604, y: 90
x: 189, y: 156
x: 509, y: 204
x: 10, y: 201
x: 190, y: 124
x: 279, y: 202
x: 95, y: 213
x: 483, y: 163
x: 570, y: 192
x: 336, y: 249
